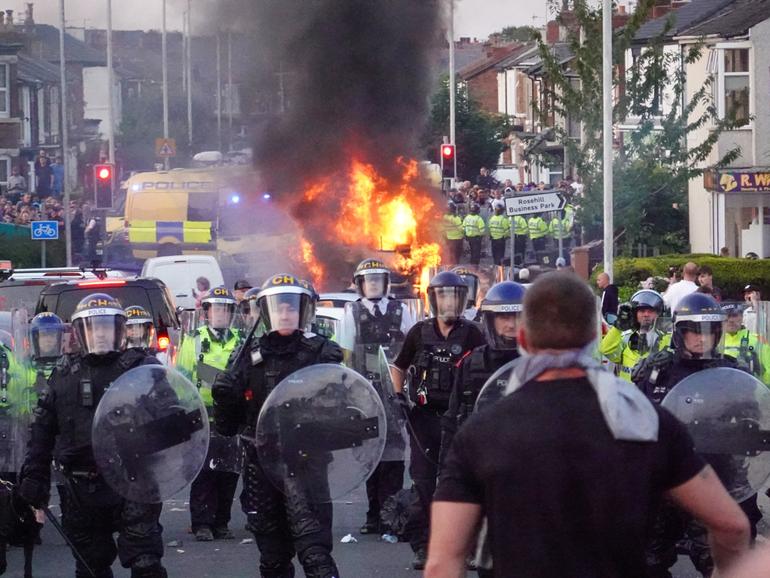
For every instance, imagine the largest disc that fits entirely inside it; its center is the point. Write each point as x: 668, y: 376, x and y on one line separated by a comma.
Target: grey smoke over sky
x: 474, y: 18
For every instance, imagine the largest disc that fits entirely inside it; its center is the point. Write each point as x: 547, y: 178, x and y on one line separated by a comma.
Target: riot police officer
x: 500, y: 313
x: 201, y: 357
x: 282, y: 525
x: 372, y: 323
x: 91, y: 510
x: 429, y: 354
x: 140, y: 328
x: 745, y: 346
x: 634, y: 335
x: 14, y: 411
x: 474, y: 228
x: 696, y: 341
x: 471, y: 279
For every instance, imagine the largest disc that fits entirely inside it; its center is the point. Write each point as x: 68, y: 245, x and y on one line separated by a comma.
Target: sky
x: 474, y: 18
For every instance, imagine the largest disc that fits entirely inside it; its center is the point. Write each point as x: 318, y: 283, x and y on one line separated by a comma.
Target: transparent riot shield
x: 225, y: 453
x: 321, y: 433
x: 494, y: 388
x: 17, y: 397
x: 150, y: 434
x: 727, y: 412
x: 395, y: 416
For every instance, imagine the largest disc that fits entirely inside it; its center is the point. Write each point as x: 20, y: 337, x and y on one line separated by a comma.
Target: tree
x: 513, y: 34
x: 479, y: 134
x: 653, y: 163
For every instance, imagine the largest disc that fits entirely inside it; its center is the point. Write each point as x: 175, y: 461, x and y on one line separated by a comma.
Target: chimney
x: 552, y: 32
x: 9, y: 18
x: 29, y: 19
x: 2, y: 20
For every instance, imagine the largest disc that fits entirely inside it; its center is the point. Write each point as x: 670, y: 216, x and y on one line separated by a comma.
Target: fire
x: 309, y: 259
x: 377, y: 214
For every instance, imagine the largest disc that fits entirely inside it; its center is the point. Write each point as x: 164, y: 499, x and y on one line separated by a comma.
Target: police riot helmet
x: 140, y: 328
x: 249, y: 304
x: 372, y: 279
x: 503, y: 300
x: 472, y: 281
x: 46, y: 332
x: 99, y: 322
x: 447, y: 294
x: 698, y: 314
x: 286, y: 304
x: 645, y: 299
x: 219, y: 307
x: 474, y: 209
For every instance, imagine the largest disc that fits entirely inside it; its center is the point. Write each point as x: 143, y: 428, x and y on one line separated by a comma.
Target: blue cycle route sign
x: 44, y: 230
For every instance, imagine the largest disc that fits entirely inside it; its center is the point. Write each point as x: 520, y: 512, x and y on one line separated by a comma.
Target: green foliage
x: 731, y: 275
x: 479, y: 134
x: 25, y: 253
x: 513, y: 34
x: 653, y: 164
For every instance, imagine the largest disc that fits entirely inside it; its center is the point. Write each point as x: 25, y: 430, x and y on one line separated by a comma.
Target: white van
x: 180, y: 272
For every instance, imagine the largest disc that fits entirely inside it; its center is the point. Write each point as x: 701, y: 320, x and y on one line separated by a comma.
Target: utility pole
x: 110, y: 86
x: 64, y: 136
x: 189, y: 76
x: 230, y: 90
x: 609, y: 236
x: 219, y: 93
x: 164, y: 57
x: 452, y: 83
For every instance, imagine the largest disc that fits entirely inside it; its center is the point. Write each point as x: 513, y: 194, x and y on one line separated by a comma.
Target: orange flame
x: 379, y: 215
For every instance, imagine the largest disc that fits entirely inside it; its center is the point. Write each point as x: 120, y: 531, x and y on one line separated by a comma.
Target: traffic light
x: 448, y: 162
x: 104, y: 185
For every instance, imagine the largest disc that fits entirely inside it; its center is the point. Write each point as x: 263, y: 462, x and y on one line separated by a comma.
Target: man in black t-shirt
x: 569, y: 468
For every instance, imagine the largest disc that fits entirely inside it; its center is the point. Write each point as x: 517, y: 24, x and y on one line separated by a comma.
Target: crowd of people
x: 476, y: 219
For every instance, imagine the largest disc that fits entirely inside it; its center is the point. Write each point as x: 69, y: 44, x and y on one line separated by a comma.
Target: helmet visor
x: 501, y: 328
x: 473, y: 289
x: 286, y: 312
x: 447, y: 303
x: 140, y: 335
x: 698, y: 339
x: 220, y: 315
x: 373, y: 285
x: 47, y: 343
x: 101, y: 334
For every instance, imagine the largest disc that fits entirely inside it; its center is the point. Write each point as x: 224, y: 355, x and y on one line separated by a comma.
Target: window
x: 5, y: 100
x: 735, y: 85
x: 5, y: 169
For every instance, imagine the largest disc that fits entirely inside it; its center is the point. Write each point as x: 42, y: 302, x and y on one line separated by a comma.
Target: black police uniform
x: 430, y: 359
x: 282, y: 525
x: 91, y: 510
x: 473, y: 372
x: 375, y: 330
x: 656, y: 376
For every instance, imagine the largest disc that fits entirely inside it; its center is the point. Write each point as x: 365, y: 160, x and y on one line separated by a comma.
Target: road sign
x: 44, y: 230
x: 527, y: 204
x: 165, y: 147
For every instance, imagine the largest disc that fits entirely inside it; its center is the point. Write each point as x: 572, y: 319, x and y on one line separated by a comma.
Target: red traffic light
x: 103, y: 173
x: 447, y: 151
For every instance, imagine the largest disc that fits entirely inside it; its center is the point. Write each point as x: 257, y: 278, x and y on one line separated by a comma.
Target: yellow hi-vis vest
x: 537, y: 227
x: 453, y: 227
x: 499, y: 227
x: 474, y: 226
x: 520, y: 226
x: 176, y: 232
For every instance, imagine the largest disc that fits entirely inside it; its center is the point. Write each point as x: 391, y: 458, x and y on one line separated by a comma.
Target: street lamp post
x: 609, y: 237
x: 64, y: 137
x: 164, y: 57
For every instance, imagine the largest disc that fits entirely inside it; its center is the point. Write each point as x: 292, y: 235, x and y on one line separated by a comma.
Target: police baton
x: 57, y: 526
x: 244, y: 345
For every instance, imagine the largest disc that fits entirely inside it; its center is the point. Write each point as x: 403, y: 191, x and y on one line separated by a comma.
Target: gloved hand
x: 625, y: 318
x: 33, y: 493
x: 402, y: 400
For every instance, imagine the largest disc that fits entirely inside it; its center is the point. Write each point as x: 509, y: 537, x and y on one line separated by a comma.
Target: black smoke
x: 346, y: 78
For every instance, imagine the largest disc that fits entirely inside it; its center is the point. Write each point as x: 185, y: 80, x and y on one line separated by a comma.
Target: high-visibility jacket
x: 750, y: 352
x: 520, y: 226
x: 499, y: 227
x: 17, y: 396
x: 566, y: 227
x: 203, y: 348
x: 474, y: 226
x: 626, y: 348
x: 537, y: 227
x: 453, y: 227
x: 175, y: 232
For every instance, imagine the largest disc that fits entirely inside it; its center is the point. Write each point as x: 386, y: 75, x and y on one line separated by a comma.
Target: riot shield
x: 225, y: 453
x: 395, y: 416
x: 150, y: 434
x: 321, y: 433
x: 727, y: 412
x: 494, y: 388
x: 17, y: 399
